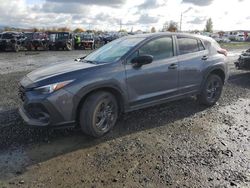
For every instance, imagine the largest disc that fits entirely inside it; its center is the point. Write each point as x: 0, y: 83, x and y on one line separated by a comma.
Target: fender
x: 107, y: 85
x: 208, y: 71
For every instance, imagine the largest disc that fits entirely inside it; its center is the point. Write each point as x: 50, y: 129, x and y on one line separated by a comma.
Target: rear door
x: 191, y: 56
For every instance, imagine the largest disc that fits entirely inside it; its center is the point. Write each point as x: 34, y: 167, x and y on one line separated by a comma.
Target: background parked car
x: 61, y: 40
x: 240, y: 38
x: 40, y: 40
x: 243, y: 60
x: 222, y: 39
x: 11, y: 41
x: 36, y: 40
x: 87, y: 41
x: 108, y: 38
x: 27, y: 43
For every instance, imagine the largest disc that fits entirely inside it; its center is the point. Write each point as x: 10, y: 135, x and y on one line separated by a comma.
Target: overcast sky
x: 139, y: 14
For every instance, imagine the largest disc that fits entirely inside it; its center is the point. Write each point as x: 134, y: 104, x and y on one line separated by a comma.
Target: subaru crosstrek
x: 127, y: 74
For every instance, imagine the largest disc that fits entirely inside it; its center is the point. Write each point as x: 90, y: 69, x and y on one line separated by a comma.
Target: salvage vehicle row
x: 16, y: 41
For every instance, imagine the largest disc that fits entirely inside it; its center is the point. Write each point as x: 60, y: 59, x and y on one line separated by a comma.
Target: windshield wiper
x: 85, y: 61
x: 88, y: 61
x: 80, y: 59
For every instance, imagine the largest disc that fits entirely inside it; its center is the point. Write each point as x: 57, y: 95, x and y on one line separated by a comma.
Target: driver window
x: 160, y: 48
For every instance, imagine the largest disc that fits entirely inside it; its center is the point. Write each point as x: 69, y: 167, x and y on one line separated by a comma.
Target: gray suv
x: 127, y: 74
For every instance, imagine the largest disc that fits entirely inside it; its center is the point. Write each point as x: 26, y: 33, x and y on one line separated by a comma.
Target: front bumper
x: 87, y: 44
x: 54, y: 110
x: 29, y: 120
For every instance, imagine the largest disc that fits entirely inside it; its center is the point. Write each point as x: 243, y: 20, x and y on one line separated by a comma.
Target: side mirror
x: 142, y: 60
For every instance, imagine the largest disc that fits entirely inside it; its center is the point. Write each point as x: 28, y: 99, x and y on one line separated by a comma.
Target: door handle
x: 173, y: 66
x: 204, y: 57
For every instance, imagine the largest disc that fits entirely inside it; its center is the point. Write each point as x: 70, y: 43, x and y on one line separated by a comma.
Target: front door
x: 155, y: 81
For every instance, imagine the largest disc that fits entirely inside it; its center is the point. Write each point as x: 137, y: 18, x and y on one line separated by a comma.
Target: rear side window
x: 188, y: 45
x: 201, y: 46
x: 160, y: 48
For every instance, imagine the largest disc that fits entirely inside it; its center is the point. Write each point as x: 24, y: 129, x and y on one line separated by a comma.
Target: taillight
x: 222, y: 51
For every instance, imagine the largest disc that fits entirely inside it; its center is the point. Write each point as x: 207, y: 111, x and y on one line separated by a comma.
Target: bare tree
x: 63, y: 29
x: 153, y: 30
x: 79, y: 30
x: 171, y: 26
x: 35, y: 29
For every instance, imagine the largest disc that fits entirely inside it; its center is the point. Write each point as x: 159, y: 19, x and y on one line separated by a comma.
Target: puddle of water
x: 12, y: 162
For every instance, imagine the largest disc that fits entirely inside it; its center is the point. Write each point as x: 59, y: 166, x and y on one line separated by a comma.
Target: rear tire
x: 98, y: 114
x: 211, y: 90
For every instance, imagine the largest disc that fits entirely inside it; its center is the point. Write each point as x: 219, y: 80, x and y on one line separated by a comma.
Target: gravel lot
x: 178, y: 144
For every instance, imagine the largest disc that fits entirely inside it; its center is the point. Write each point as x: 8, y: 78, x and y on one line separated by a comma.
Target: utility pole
x: 120, y: 25
x: 181, y: 22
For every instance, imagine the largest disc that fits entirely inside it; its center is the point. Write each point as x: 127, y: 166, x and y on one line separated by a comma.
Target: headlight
x: 52, y: 87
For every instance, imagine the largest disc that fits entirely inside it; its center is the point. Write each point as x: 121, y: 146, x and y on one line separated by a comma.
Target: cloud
x: 199, y: 2
x: 108, y: 3
x: 149, y: 4
x: 188, y: 10
x: 63, y: 8
x: 197, y: 21
x: 107, y: 14
x: 104, y: 18
x: 146, y: 19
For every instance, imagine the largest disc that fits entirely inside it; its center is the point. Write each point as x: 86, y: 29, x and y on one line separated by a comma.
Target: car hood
x: 57, y: 69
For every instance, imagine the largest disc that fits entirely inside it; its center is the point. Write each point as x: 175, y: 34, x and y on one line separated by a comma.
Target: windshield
x: 8, y: 36
x: 113, y: 51
x: 88, y: 37
x: 29, y: 35
x: 62, y: 36
x: 39, y: 35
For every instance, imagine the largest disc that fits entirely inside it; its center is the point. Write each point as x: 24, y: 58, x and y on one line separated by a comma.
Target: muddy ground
x: 178, y: 144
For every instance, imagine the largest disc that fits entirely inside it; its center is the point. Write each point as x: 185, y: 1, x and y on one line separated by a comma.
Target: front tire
x: 16, y: 48
x: 98, y: 114
x: 211, y: 90
x: 68, y: 46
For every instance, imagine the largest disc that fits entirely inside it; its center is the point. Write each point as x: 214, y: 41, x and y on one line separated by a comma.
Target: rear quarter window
x: 212, y: 46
